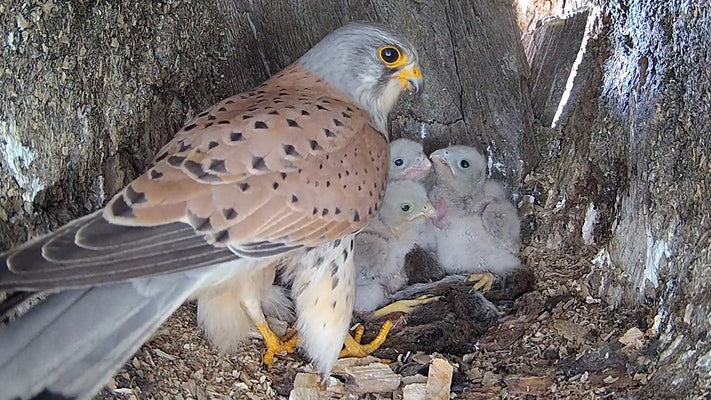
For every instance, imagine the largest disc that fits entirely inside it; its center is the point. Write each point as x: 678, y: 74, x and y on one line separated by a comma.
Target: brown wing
x: 287, y: 165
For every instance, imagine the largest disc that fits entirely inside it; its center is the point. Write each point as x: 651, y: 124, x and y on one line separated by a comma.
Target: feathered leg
x: 323, y: 290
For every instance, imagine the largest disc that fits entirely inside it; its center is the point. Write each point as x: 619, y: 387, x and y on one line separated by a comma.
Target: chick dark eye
x: 398, y: 162
x: 405, y: 207
x: 464, y: 164
x: 389, y: 55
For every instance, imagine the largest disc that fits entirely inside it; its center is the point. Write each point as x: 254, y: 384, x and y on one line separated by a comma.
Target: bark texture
x: 626, y: 170
x: 91, y: 89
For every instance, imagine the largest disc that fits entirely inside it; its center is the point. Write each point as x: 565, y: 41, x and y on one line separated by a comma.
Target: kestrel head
x: 369, y: 62
x: 405, y: 202
x: 461, y: 168
x: 408, y: 161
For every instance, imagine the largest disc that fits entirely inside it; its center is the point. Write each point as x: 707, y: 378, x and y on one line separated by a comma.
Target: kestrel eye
x: 405, y: 207
x: 464, y: 164
x: 398, y: 162
x: 390, y: 55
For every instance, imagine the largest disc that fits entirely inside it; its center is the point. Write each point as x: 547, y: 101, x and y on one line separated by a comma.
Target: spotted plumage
x: 222, y: 177
x: 283, y: 174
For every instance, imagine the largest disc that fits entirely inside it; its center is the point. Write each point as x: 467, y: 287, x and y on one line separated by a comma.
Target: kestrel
x: 408, y: 161
x: 287, y: 172
x: 381, y: 247
x: 477, y: 227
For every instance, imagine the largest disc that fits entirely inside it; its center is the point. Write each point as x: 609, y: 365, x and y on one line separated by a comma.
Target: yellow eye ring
x: 391, y: 56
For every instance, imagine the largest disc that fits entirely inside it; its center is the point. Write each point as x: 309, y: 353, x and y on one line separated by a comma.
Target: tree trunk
x: 91, y: 90
x: 628, y: 167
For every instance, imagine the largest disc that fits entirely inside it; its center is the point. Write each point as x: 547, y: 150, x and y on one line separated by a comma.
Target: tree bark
x: 92, y: 89
x: 628, y: 167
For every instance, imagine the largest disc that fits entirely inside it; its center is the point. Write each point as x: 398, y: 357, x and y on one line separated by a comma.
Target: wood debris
x: 633, y: 337
x: 439, y: 380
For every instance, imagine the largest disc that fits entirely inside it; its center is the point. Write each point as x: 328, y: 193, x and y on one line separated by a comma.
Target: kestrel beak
x: 411, y: 78
x: 428, y: 211
x: 440, y: 157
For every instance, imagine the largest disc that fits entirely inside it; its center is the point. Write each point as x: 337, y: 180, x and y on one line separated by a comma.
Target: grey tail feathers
x: 70, y: 344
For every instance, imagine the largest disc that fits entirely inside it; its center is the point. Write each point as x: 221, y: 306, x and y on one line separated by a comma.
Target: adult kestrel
x: 290, y: 170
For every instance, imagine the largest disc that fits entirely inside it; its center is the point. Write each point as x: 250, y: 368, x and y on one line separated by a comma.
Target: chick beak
x: 420, y: 168
x: 424, y: 163
x: 411, y: 78
x: 429, y: 212
x: 440, y: 157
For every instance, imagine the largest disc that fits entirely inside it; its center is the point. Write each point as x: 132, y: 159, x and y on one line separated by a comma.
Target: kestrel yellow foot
x: 353, y: 348
x: 404, y: 306
x: 275, y: 345
x: 484, y: 281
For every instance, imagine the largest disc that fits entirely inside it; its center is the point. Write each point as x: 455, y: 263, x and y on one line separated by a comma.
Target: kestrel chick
x: 289, y: 170
x: 380, y: 254
x: 477, y: 227
x: 408, y: 161
x: 381, y: 247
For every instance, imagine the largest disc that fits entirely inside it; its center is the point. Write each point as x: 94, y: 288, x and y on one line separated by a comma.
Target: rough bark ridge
x: 628, y: 167
x: 92, y: 89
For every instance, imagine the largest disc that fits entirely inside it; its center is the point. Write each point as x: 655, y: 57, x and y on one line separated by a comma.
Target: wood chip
x: 373, y: 378
x: 533, y: 385
x: 344, y: 363
x: 163, y: 354
x: 490, y: 379
x: 415, y: 391
x: 439, y: 379
x: 365, y: 375
x: 486, y: 393
x: 632, y: 337
x: 305, y: 387
x: 474, y: 374
x: 502, y: 336
x: 417, y: 378
x: 575, y: 333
